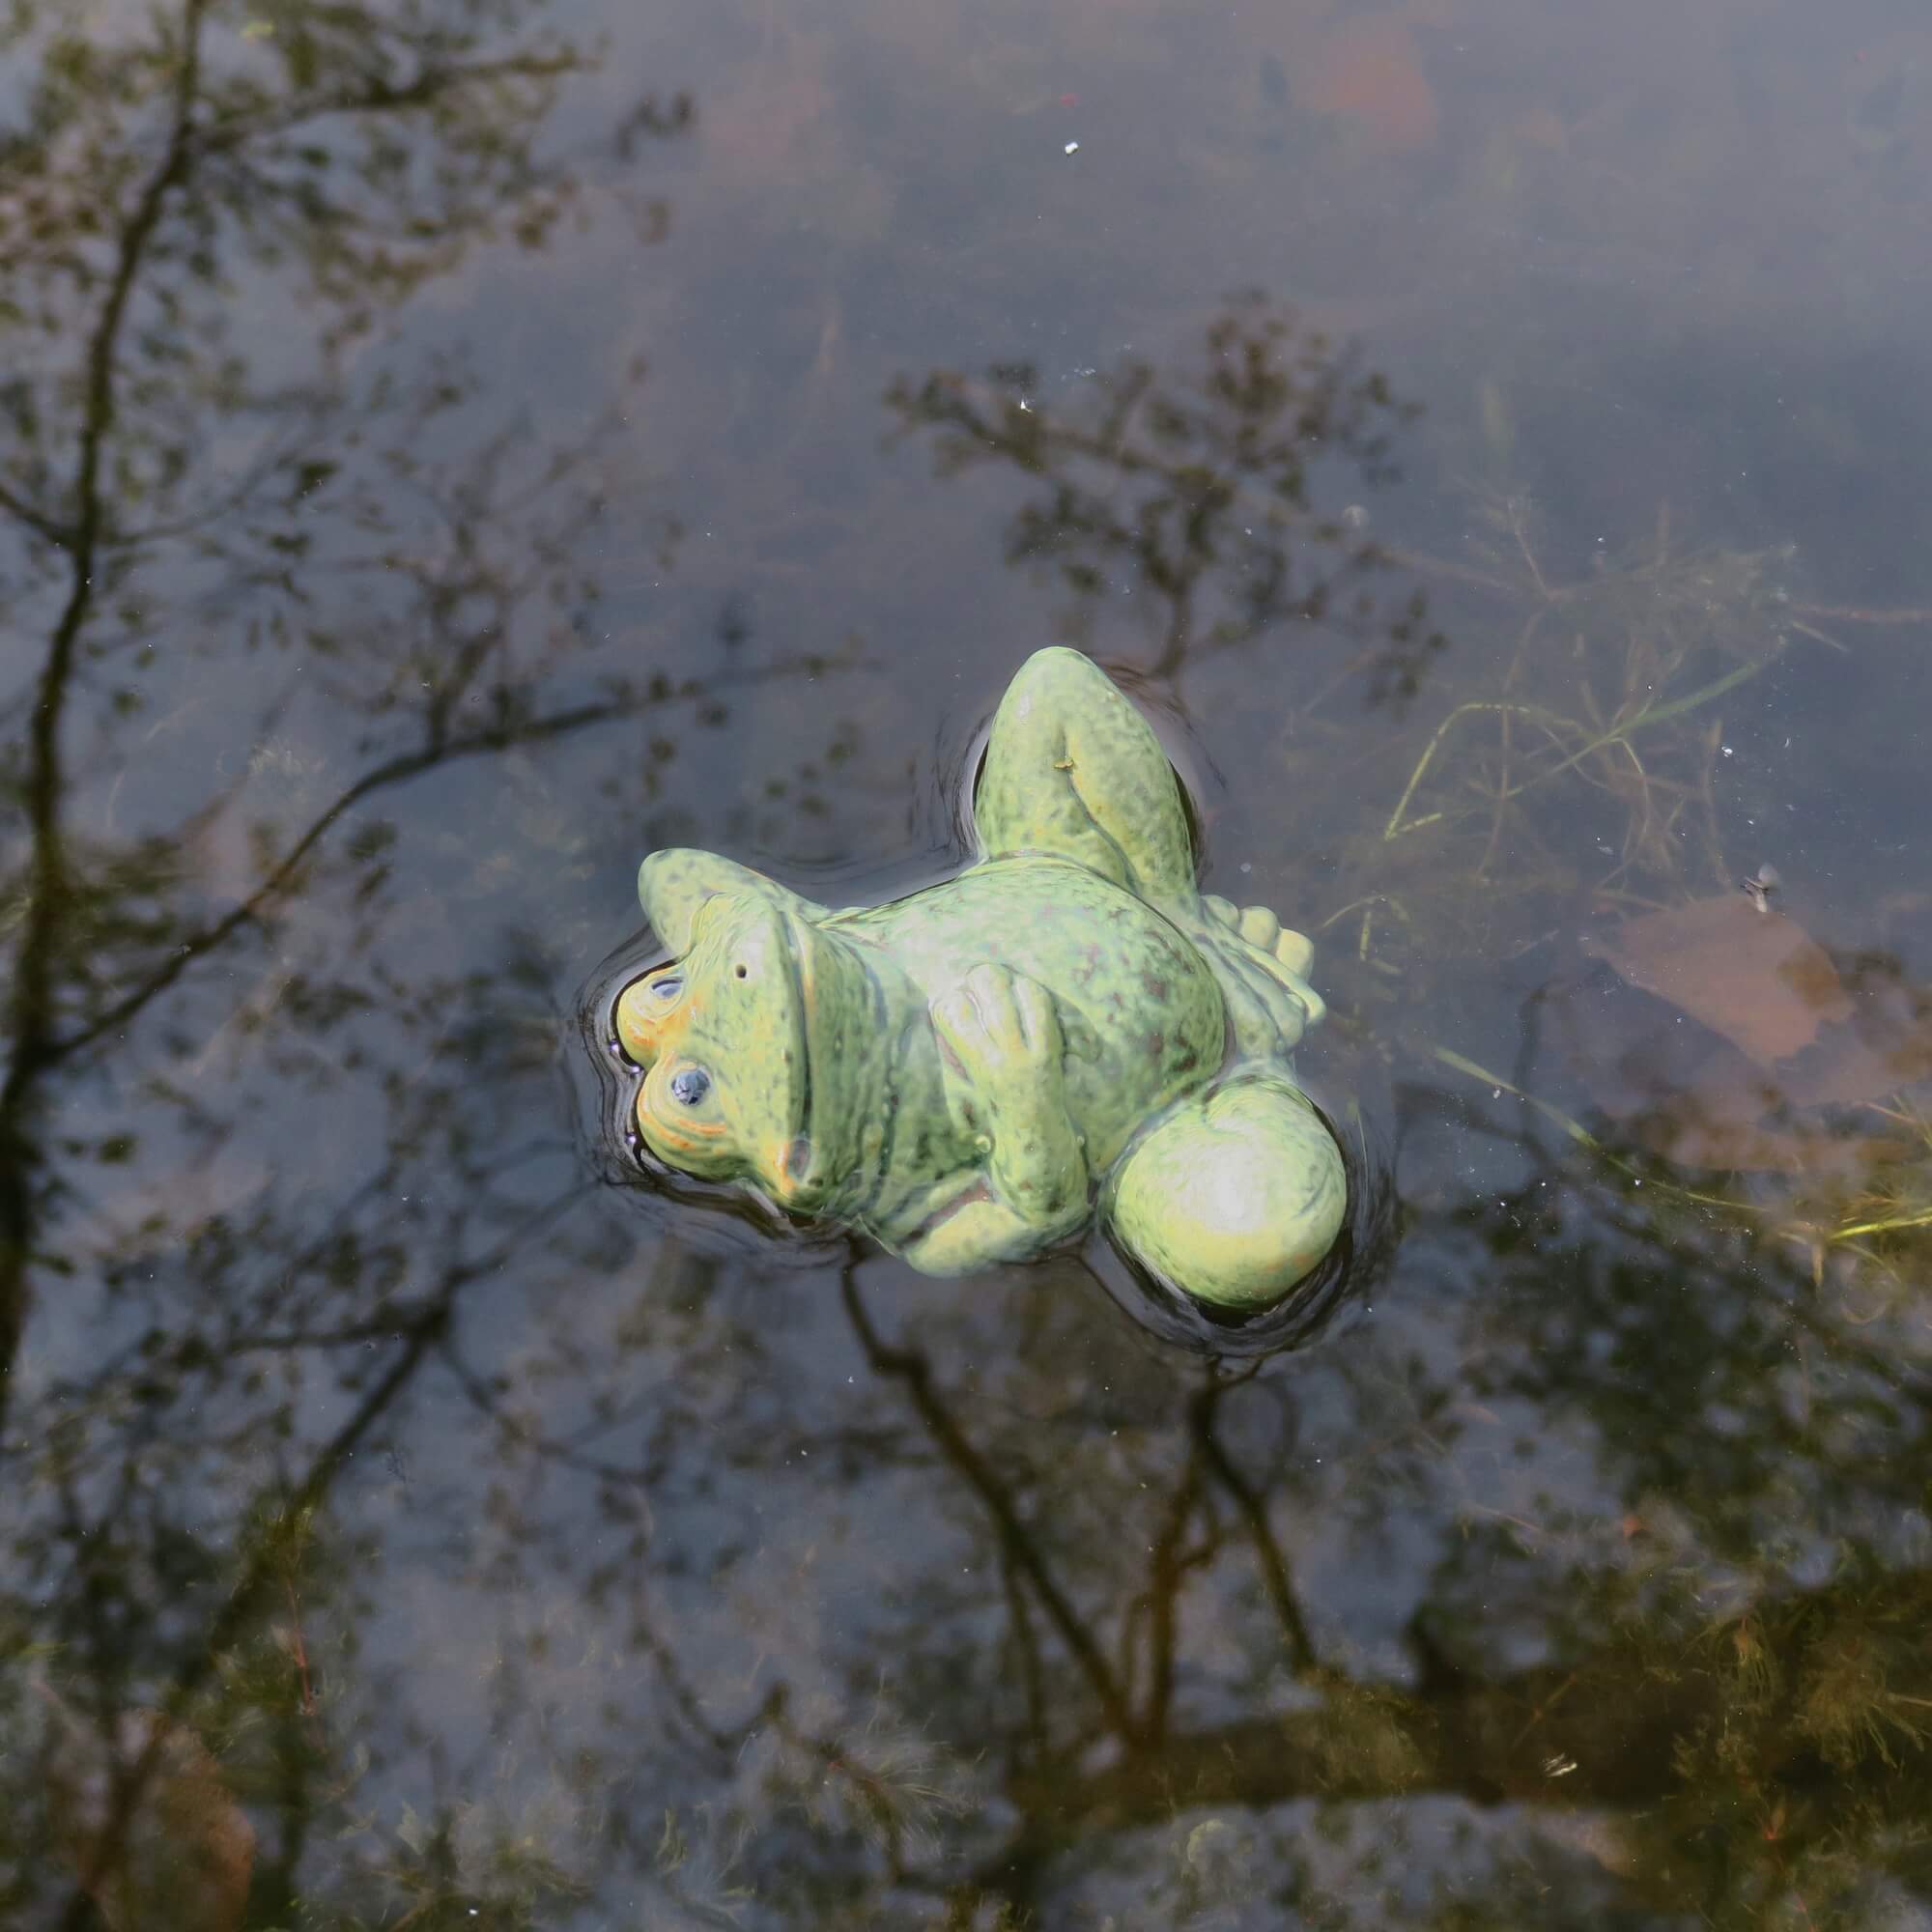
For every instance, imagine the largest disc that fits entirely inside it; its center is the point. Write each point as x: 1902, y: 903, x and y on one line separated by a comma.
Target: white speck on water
x: 1072, y: 147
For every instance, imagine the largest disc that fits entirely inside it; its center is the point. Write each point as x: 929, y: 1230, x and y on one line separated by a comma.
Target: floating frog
x: 972, y: 1073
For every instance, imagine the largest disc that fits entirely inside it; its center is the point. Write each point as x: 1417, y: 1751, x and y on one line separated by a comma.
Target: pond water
x: 450, y: 449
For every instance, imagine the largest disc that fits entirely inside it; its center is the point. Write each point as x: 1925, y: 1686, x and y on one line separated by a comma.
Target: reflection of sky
x: 1620, y: 256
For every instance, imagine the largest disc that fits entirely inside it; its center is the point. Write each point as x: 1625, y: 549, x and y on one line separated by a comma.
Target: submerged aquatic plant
x: 1608, y: 691
x: 1570, y: 790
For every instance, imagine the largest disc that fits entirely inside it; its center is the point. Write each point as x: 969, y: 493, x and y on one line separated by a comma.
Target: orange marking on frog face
x: 653, y: 1014
x: 670, y: 1127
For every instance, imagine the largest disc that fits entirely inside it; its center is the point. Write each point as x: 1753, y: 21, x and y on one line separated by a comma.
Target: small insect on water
x: 1760, y: 886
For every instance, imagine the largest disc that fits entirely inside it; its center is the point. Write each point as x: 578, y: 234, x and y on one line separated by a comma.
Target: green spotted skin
x: 974, y: 1073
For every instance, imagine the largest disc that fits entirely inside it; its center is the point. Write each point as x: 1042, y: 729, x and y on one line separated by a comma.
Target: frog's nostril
x: 689, y: 1084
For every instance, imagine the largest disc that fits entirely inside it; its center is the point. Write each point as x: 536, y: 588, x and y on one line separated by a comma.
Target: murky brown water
x: 449, y: 449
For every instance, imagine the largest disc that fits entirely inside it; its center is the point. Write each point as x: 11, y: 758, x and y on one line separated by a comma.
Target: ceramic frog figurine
x: 970, y: 1073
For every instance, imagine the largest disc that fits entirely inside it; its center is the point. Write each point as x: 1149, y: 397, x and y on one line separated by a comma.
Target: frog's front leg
x: 1006, y: 1092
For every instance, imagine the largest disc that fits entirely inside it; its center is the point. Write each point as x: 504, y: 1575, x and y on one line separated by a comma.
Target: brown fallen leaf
x: 1370, y: 72
x: 1758, y: 978
x: 1716, y: 1094
x: 1708, y: 1106
x: 181, y: 1854
x: 1887, y: 1046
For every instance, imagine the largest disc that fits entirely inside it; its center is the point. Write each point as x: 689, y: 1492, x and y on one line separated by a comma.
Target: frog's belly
x: 1142, y: 1014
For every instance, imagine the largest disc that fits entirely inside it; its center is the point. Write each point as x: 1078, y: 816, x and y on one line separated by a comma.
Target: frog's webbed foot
x: 1262, y: 966
x: 1261, y: 928
x: 1074, y: 769
x: 1234, y: 1197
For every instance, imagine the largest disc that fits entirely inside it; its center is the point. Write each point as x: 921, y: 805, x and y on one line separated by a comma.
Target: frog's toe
x: 1296, y: 951
x: 1258, y: 926
x: 1033, y: 1012
x: 995, y: 1019
x: 961, y: 1024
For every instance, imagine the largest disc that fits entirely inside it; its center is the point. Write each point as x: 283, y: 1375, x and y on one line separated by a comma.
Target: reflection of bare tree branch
x: 37, y: 520
x: 260, y: 1570
x: 396, y: 771
x: 151, y: 177
x: 1199, y: 485
x: 1026, y: 1644
x: 377, y: 95
x: 1016, y: 1541
x: 1172, y: 1558
x: 1167, y: 1573
x: 519, y: 1432
x: 1827, y: 1693
x: 1253, y: 1512
x: 31, y: 1015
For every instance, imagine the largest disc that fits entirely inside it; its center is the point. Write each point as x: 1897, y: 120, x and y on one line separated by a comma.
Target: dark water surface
x: 450, y: 447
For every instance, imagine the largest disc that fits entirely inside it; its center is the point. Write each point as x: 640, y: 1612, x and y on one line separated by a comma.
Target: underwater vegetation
x: 1564, y: 809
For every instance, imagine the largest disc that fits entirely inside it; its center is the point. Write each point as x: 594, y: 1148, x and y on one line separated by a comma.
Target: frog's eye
x: 689, y: 1084
x: 666, y: 987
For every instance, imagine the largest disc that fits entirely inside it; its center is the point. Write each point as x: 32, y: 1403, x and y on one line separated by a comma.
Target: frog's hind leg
x: 1072, y: 768
x: 1235, y: 1196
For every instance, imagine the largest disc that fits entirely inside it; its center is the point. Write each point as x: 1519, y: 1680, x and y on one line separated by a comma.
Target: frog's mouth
x: 838, y: 1008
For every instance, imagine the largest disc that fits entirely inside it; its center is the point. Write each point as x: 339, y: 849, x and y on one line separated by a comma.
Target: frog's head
x: 763, y: 1041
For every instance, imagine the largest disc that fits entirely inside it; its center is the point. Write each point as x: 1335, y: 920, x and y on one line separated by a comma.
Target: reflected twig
x: 1016, y: 1541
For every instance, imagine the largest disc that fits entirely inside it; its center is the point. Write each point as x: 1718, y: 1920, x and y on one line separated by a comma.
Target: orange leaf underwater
x: 1758, y: 978
x: 1371, y: 70
x: 181, y: 1854
x: 1790, y: 1036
